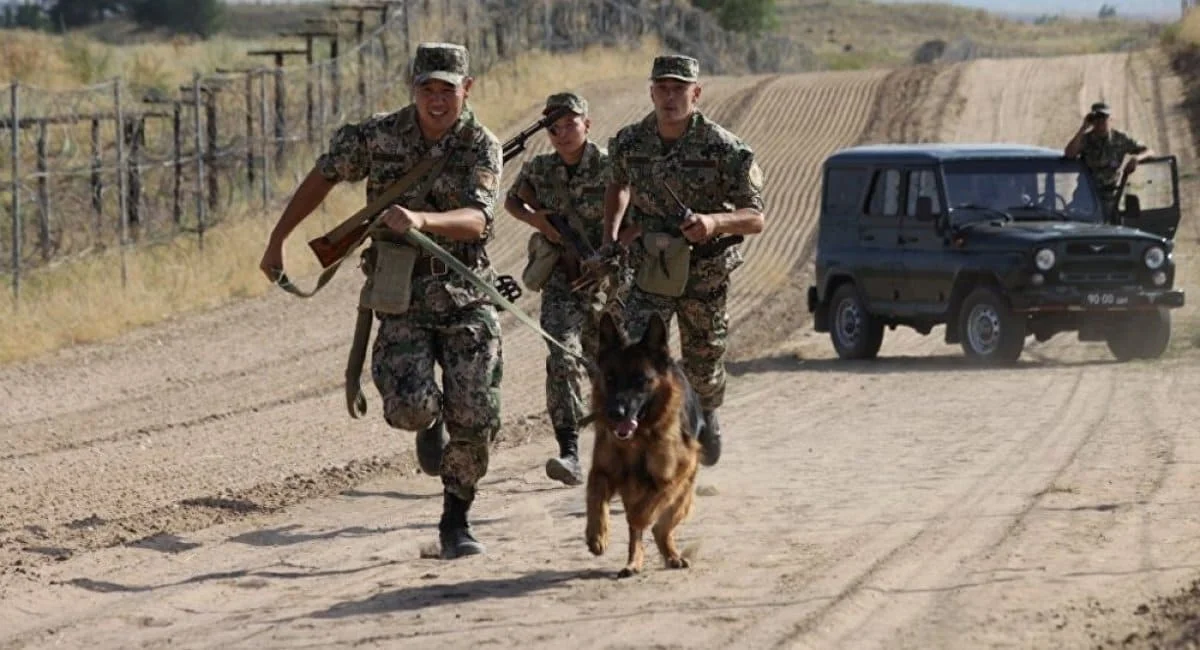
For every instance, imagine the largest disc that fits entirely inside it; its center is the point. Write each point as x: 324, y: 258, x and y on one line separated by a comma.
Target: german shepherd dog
x: 646, y: 449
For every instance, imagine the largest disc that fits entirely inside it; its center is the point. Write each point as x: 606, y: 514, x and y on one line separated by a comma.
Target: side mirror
x: 924, y: 208
x: 1133, y: 206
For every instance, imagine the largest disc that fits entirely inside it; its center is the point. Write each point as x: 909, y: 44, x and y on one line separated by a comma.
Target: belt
x: 429, y: 266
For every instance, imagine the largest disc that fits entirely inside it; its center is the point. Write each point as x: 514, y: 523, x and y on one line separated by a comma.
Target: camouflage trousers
x: 702, y: 320
x: 467, y: 347
x: 571, y: 318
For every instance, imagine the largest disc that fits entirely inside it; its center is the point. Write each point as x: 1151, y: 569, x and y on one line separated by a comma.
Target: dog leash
x: 429, y: 245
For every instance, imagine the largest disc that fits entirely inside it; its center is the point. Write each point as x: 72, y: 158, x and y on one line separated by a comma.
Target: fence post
x: 250, y: 130
x: 43, y: 190
x: 15, y: 131
x: 97, y: 194
x: 210, y: 119
x: 122, y: 205
x: 199, y: 144
x: 177, y: 145
x: 266, y: 159
x: 134, y: 131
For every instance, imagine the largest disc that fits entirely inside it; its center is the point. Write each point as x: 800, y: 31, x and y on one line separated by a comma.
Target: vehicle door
x: 1151, y: 197
x: 879, y: 267
x: 928, y: 273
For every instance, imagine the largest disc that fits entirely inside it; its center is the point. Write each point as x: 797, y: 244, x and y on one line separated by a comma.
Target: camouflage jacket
x: 709, y: 168
x: 1103, y: 154
x: 383, y: 147
x: 578, y: 196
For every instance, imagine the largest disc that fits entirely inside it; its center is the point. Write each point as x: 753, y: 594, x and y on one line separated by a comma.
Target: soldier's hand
x: 626, y: 236
x: 1131, y: 165
x: 548, y: 231
x: 699, y: 227
x: 271, y: 263
x: 402, y: 220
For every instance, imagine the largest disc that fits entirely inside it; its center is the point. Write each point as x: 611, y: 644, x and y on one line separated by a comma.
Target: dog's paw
x: 597, y: 542
x: 677, y: 563
x: 628, y: 572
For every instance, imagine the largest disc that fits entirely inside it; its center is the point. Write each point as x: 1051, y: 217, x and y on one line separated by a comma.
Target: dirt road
x: 199, y: 484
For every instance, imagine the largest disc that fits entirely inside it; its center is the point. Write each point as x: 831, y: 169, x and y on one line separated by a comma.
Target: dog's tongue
x: 626, y: 428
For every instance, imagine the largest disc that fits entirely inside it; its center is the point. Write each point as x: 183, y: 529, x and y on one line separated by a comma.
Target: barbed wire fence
x: 115, y: 165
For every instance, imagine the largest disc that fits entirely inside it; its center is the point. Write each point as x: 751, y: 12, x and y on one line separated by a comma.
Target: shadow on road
x: 432, y: 595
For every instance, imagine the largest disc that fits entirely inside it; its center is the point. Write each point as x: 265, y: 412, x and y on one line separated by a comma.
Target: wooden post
x: 280, y: 95
x: 310, y: 57
x: 335, y: 77
x: 177, y: 146
x: 14, y: 128
x: 123, y: 209
x: 43, y: 191
x: 96, y: 183
x: 135, y: 131
x: 199, y: 144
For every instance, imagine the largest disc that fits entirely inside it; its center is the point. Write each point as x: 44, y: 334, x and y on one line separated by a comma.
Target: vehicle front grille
x: 1113, y: 271
x: 1098, y: 249
x: 1098, y: 262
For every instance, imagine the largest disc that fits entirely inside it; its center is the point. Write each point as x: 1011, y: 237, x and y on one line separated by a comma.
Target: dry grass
x: 56, y: 62
x: 82, y: 300
x: 860, y: 33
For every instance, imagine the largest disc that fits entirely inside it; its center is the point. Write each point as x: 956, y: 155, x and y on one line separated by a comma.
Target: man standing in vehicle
x: 427, y: 314
x: 1104, y: 149
x: 683, y: 256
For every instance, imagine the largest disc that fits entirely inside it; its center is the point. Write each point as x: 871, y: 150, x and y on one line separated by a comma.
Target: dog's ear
x: 611, y: 335
x: 655, y: 337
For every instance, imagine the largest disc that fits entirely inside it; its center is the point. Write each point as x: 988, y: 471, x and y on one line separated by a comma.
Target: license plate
x: 1105, y: 299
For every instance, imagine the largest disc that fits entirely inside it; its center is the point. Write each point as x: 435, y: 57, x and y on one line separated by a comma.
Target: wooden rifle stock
x: 339, y: 242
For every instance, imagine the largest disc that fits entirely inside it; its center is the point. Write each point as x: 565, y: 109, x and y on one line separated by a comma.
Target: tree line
x: 200, y: 17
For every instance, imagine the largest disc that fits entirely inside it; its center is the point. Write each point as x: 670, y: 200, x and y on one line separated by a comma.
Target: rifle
x: 708, y: 248
x: 339, y: 242
x: 575, y: 248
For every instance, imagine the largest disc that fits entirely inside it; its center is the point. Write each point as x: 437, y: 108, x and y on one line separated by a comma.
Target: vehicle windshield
x: 1022, y: 189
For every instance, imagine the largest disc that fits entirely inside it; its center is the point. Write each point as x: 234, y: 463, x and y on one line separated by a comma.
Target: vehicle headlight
x: 1155, y: 257
x: 1044, y: 259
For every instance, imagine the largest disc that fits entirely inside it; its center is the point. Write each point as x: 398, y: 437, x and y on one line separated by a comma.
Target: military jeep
x: 997, y: 243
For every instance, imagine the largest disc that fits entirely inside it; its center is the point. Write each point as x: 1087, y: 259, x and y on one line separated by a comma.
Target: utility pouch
x: 543, y: 257
x: 665, y: 266
x: 389, y: 268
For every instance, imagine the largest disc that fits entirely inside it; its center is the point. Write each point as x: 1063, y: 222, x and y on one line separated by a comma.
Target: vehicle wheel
x: 988, y: 329
x: 1143, y: 335
x: 856, y: 334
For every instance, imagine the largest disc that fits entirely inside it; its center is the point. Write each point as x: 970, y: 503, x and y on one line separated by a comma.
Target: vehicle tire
x: 989, y: 331
x: 1143, y: 335
x: 855, y: 333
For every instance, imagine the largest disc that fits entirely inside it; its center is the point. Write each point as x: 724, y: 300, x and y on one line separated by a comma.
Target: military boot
x: 454, y: 532
x: 710, y: 439
x: 430, y: 443
x: 565, y: 468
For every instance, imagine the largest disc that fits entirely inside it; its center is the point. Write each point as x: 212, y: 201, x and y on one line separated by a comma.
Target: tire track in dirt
x: 913, y: 564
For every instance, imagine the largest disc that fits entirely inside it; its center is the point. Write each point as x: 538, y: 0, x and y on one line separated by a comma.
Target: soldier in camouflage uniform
x: 569, y: 182
x: 449, y: 322
x: 715, y: 174
x: 1104, y: 149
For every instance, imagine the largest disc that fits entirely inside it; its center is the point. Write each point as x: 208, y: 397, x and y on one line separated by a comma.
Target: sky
x: 1155, y: 8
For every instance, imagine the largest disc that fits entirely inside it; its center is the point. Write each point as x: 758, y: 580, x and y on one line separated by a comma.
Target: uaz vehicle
x: 996, y: 242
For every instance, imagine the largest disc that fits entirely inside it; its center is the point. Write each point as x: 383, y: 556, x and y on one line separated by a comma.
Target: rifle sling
x: 366, y: 214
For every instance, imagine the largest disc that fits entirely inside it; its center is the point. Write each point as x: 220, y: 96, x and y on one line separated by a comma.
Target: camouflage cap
x: 675, y: 66
x: 447, y: 62
x: 572, y: 101
x: 1101, y: 108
